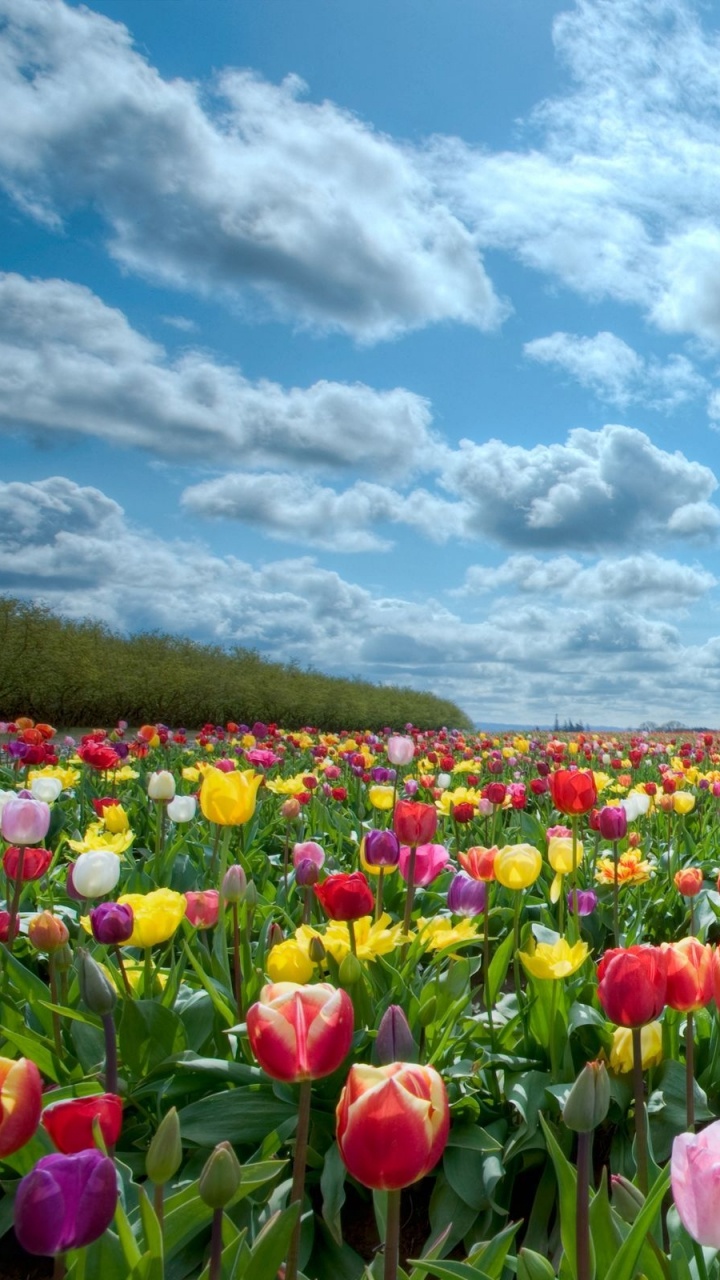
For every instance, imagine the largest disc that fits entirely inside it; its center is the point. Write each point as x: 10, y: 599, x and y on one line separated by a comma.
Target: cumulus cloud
x: 73, y: 548
x: 646, y: 581
x: 616, y: 373
x: 601, y: 489
x: 234, y: 186
x: 68, y: 362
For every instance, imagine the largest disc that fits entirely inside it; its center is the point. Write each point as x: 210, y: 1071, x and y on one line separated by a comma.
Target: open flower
x: 430, y: 861
x: 156, y: 915
x: 300, y: 1033
x: 554, y: 960
x: 632, y: 868
x: 695, y: 1171
x: 392, y: 1123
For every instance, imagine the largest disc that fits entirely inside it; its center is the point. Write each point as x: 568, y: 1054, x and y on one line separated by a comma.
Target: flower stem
x: 237, y: 969
x: 298, y: 1181
x: 392, y: 1235
x: 486, y: 971
x: 159, y: 1203
x: 582, y: 1207
x: 15, y: 905
x: 111, y: 1078
x: 59, y: 1268
x: 57, y: 1036
x: 690, y: 1073
x: 379, y: 894
x: 351, y: 935
x: 410, y: 897
x: 123, y: 971
x: 639, y: 1091
x: 215, y: 1269
x: 616, y: 892
x: 576, y: 913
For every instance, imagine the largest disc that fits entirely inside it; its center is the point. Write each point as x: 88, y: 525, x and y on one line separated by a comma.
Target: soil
x: 16, y: 1264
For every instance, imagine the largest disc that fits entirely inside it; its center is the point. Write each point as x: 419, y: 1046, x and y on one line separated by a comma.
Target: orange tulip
x: 479, y: 862
x: 20, y: 1103
x: 689, y: 975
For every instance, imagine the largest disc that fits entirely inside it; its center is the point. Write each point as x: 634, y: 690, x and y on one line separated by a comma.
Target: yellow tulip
x: 115, y: 819
x: 683, y: 802
x: 560, y: 857
x: 156, y: 916
x: 381, y: 797
x: 621, y: 1053
x: 229, y: 798
x: 288, y: 962
x: 517, y: 866
x: 553, y: 960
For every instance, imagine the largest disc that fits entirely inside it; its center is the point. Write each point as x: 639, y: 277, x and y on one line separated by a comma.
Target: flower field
x: 426, y: 1004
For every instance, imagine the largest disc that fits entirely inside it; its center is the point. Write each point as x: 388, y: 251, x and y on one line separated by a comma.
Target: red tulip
x: 346, y: 896
x: 99, y: 756
x: 392, y: 1123
x: 689, y: 881
x: 300, y: 1033
x: 573, y: 790
x: 20, y: 1103
x: 633, y: 982
x: 35, y: 862
x: 70, y: 1123
x: 414, y: 823
x: 689, y: 975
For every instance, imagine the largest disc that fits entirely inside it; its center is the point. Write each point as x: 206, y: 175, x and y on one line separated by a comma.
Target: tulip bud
x: 63, y: 959
x: 234, y: 885
x: 251, y: 896
x: 612, y: 822
x: 274, y: 935
x: 306, y: 873
x: 220, y: 1177
x: 533, y: 1266
x: 316, y: 949
x: 400, y: 749
x: 95, y: 873
x: 96, y: 990
x: 290, y: 808
x: 164, y: 1155
x: 627, y: 1199
x: 394, y: 1041
x: 161, y: 785
x: 350, y: 970
x: 47, y: 932
x: 588, y: 1101
x: 24, y: 820
x: 46, y: 789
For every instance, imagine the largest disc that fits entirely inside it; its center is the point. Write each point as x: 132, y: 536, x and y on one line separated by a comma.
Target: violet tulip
x: 24, y: 820
x: 112, y: 923
x: 612, y: 822
x: 308, y: 849
x: 466, y: 897
x: 380, y: 849
x: 65, y: 1202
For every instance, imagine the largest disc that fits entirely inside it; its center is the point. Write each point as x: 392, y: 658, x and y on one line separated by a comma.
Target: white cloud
x: 616, y: 373
x: 235, y: 186
x: 601, y: 489
x: 70, y: 363
x: 645, y: 581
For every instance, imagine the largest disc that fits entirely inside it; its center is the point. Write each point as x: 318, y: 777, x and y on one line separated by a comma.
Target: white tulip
x: 443, y: 781
x: 161, y: 785
x: 182, y: 809
x: 635, y: 803
x: 95, y: 873
x: 47, y: 789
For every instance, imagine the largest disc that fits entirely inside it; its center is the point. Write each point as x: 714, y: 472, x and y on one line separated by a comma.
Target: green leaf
x: 454, y: 1271
x: 148, y: 1034
x: 271, y: 1245
x: 533, y: 1266
x: 666, y: 1108
x: 332, y: 1185
x: 499, y: 966
x: 491, y: 1254
x: 623, y: 1267
x: 242, y: 1116
x: 567, y: 1194
x: 151, y: 1226
x: 605, y: 1235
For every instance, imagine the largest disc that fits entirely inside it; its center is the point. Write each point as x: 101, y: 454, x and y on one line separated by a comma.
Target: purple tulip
x: 612, y: 822
x: 411, y: 786
x: 379, y: 774
x: 112, y: 923
x: 586, y: 901
x: 25, y: 820
x: 466, y: 897
x: 306, y: 872
x: 394, y: 1041
x: 381, y: 849
x: 65, y: 1203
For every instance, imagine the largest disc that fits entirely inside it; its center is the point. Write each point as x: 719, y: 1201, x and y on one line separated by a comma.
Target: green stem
x: 700, y: 1260
x: 639, y: 1092
x: 392, y: 1235
x: 576, y: 913
x: 298, y: 1181
x: 123, y: 972
x: 215, y: 1268
x: 237, y: 969
x: 59, y: 1267
x: 553, y: 1037
x: 159, y: 1203
x: 379, y: 894
x: 616, y: 893
x: 410, y: 896
x: 351, y: 935
x: 15, y: 905
x: 486, y: 971
x: 690, y: 1073
x: 148, y: 983
x: 582, y: 1205
x: 57, y: 1036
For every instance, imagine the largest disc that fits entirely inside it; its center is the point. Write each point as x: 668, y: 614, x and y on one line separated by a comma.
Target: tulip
x: 555, y: 960
x: 573, y: 791
x: 308, y: 849
x: 203, y: 908
x: 65, y: 1203
x: 70, y: 1123
x: 306, y: 873
x: 612, y: 822
x: 156, y: 915
x: 517, y: 866
x: 414, y: 823
x: 164, y: 1155
x: 479, y: 862
x: 24, y: 820
x: 229, y: 799
x: 234, y: 885
x: 584, y: 901
x: 23, y: 864
x: 564, y: 855
x: 430, y: 861
x: 47, y: 932
x: 695, y: 1173
x: 46, y: 789
x: 20, y: 1103
x: 632, y: 984
x: 394, y: 1041
x: 345, y: 896
x: 300, y: 1033
x: 400, y: 750
x: 689, y: 881
x: 382, y: 798
x: 689, y: 975
x: 392, y: 1123
x: 635, y: 804
x: 112, y: 923
x: 588, y: 1102
x: 161, y: 785
x: 683, y: 802
x: 182, y: 809
x: 95, y: 873
x: 466, y: 897
x: 621, y: 1050
x: 380, y: 849
x: 287, y: 962
x: 495, y: 792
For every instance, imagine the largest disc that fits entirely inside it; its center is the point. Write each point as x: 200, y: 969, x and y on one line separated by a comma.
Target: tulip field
x: 399, y: 1005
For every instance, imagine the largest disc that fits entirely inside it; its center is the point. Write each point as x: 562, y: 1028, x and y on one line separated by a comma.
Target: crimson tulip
x: 632, y: 984
x: 612, y: 822
x: 414, y: 823
x: 20, y: 1103
x: 300, y: 1032
x: 346, y: 895
x: 70, y: 1123
x: 392, y: 1123
x: 26, y: 863
x: 573, y: 790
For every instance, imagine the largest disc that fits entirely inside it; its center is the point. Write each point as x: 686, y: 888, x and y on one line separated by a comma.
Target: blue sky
x: 379, y: 337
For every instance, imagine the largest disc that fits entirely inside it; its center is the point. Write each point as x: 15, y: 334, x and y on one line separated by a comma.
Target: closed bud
x: 161, y: 785
x: 627, y: 1199
x: 290, y: 808
x: 588, y: 1101
x: 316, y: 950
x: 251, y: 896
x: 164, y: 1155
x: 47, y: 932
x: 533, y: 1266
x: 350, y: 970
x: 394, y: 1041
x: 220, y: 1177
x: 234, y: 885
x: 274, y: 935
x: 63, y: 959
x: 427, y: 1011
x: 96, y: 989
x: 306, y: 873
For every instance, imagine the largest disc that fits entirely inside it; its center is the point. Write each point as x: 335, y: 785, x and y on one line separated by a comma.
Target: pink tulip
x: 695, y: 1170
x: 202, y: 907
x: 308, y: 849
x: 431, y: 859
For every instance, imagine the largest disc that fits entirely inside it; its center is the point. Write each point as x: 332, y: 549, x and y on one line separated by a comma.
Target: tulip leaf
x: 447, y: 1207
x: 148, y: 1034
x: 332, y: 1185
x: 228, y: 1015
x: 666, y: 1108
x: 457, y: 1271
x: 605, y: 1236
x: 623, y: 1266
x: 242, y: 1116
x: 491, y: 1254
x: 151, y: 1226
x: 271, y: 1245
x: 499, y: 966
x: 567, y: 1195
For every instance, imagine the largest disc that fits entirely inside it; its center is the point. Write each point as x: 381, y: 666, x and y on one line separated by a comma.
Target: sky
x: 382, y: 337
